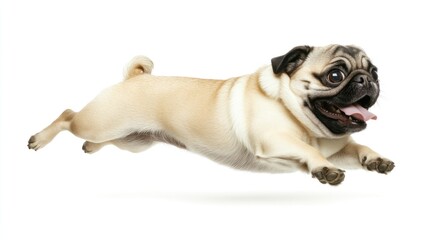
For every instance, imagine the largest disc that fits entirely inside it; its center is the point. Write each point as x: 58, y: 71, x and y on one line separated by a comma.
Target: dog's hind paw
x: 35, y: 143
x: 90, y: 147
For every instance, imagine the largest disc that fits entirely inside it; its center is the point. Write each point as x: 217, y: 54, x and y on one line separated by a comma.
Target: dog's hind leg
x: 107, y: 118
x: 134, y: 142
x: 97, y: 127
x: 44, y: 137
x: 125, y: 143
x: 90, y: 147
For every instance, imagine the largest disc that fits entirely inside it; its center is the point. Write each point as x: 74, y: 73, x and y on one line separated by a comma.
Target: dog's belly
x: 242, y: 159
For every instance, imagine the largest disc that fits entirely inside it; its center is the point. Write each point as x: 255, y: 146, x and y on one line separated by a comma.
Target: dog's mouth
x: 354, y: 113
x: 343, y: 118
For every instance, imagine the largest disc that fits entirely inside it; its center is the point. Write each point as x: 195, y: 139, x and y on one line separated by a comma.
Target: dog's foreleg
x: 282, y: 147
x: 354, y: 155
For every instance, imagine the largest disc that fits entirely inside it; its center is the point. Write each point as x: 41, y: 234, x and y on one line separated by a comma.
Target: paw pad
x: 379, y: 165
x: 333, y: 176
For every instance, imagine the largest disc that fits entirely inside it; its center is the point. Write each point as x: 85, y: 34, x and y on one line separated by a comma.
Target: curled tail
x: 137, y: 66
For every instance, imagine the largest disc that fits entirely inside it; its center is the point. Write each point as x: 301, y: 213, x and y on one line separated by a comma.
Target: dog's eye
x: 336, y: 76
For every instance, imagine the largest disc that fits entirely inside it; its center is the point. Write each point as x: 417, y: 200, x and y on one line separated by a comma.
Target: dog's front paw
x: 380, y: 165
x: 333, y: 176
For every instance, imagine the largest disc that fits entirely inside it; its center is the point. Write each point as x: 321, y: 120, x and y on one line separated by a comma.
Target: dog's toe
x: 33, y: 143
x: 90, y: 147
x: 85, y: 147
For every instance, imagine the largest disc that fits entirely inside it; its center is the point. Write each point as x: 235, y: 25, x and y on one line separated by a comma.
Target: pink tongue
x: 359, y: 112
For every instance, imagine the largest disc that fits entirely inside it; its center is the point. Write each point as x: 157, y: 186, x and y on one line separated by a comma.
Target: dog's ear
x: 290, y: 61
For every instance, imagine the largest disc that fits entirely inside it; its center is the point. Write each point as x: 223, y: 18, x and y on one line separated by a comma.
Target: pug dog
x: 296, y: 114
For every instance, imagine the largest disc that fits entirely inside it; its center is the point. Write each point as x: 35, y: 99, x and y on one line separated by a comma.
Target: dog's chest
x: 329, y: 147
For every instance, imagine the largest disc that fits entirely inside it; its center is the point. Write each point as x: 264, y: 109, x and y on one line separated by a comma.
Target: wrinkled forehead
x: 351, y: 56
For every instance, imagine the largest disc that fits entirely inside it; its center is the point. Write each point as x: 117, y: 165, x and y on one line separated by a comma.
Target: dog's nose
x: 361, y: 79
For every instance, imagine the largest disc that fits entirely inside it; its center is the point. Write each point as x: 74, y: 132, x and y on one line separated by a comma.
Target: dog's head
x: 329, y: 89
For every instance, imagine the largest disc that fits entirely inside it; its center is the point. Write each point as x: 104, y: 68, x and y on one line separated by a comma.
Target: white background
x: 60, y: 54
